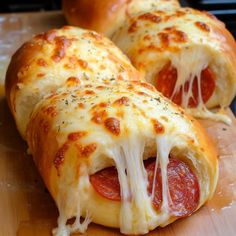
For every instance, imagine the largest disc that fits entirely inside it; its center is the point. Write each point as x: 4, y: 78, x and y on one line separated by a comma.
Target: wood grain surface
x: 26, y: 208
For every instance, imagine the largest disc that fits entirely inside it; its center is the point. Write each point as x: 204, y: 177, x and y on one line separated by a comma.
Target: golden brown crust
x: 50, y: 55
x: 228, y: 42
x: 208, y: 149
x: 74, y: 130
x: 53, y: 158
x: 182, y: 33
x: 94, y: 14
x: 107, y: 16
x: 219, y: 33
x: 19, y: 63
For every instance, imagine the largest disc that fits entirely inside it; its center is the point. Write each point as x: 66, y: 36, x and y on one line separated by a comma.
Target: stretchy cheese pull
x: 187, y: 55
x: 86, y: 114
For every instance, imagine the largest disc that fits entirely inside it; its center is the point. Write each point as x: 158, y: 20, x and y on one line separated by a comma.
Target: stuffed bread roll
x: 120, y: 155
x: 49, y: 59
x: 107, y: 16
x: 188, y: 55
x: 111, y: 149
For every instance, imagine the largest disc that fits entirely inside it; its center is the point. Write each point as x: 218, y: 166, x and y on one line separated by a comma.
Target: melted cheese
x: 63, y: 228
x: 136, y: 212
x: 57, y: 116
x: 137, y: 215
x: 190, y: 48
x: 189, y: 64
x: 164, y: 146
x: 204, y: 112
x: 138, y: 6
x: 126, y: 152
x: 88, y: 56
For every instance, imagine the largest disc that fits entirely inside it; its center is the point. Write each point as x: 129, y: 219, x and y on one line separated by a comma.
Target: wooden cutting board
x: 26, y: 208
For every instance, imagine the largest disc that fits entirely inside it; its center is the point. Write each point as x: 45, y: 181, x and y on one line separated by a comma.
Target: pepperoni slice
x: 106, y: 183
x: 166, y: 80
x: 183, y: 186
x: 207, y: 84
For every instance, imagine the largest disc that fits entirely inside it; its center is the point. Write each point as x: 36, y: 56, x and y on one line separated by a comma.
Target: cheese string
x: 164, y: 145
x: 128, y: 157
x: 63, y: 228
x: 188, y: 71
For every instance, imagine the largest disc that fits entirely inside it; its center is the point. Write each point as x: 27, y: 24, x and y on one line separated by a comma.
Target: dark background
x: 225, y: 10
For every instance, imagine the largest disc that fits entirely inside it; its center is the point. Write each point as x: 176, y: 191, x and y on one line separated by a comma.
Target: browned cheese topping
x: 113, y: 125
x: 122, y: 101
x: 158, y: 127
x: 150, y: 17
x: 87, y: 150
x: 202, y: 26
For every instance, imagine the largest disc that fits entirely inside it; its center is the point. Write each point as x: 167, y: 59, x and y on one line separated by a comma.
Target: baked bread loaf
x: 109, y: 147
x: 107, y: 16
x: 43, y: 64
x: 186, y: 54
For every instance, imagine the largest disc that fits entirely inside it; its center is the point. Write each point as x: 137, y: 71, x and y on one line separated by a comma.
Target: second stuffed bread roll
x: 109, y: 147
x: 188, y: 55
x: 107, y: 16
